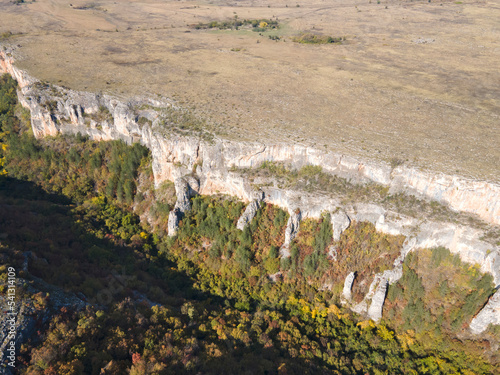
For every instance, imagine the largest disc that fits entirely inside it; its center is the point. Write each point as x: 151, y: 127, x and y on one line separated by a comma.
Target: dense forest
x: 86, y: 219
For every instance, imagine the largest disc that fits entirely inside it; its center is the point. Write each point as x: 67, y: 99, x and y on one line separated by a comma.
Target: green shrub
x: 309, y: 38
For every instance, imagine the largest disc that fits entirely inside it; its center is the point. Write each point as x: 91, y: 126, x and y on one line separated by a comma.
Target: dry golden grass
x: 379, y: 95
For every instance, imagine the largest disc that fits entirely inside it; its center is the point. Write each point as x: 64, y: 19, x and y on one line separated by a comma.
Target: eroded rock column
x: 292, y: 228
x: 184, y: 191
x: 346, y: 292
x: 250, y: 212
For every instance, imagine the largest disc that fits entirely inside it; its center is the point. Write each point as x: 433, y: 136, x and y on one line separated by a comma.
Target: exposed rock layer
x: 490, y: 314
x: 68, y: 115
x: 57, y: 110
x: 249, y: 212
x: 292, y: 229
x: 340, y: 222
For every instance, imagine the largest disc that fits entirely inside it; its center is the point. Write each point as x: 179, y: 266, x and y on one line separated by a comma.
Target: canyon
x: 205, y: 163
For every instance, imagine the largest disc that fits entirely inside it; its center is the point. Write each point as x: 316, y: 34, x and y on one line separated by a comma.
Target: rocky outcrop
x: 378, y: 299
x: 463, y: 241
x: 55, y: 109
x: 346, y: 292
x: 28, y: 316
x: 332, y: 252
x: 371, y: 213
x: 174, y: 217
x: 373, y: 303
x: 340, y: 222
x: 292, y: 228
x: 249, y: 213
x: 490, y: 314
x: 459, y: 239
x: 185, y: 188
x: 182, y: 190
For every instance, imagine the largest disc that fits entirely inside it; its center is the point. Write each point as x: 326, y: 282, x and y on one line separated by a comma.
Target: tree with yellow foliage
x: 3, y: 148
x: 8, y: 100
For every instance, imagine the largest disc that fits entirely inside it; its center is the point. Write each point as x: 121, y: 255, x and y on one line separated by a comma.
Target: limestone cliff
x: 205, y: 165
x: 55, y: 109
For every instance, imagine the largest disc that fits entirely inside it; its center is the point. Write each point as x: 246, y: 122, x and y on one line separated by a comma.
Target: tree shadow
x: 64, y: 253
x: 43, y: 228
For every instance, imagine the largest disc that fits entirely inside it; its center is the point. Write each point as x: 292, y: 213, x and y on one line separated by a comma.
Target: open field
x: 414, y: 81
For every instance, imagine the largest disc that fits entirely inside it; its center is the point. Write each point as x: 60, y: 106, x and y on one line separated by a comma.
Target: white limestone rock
x: 249, y: 213
x: 173, y: 222
x: 371, y: 213
x: 340, y: 222
x: 490, y: 314
x: 346, y: 292
x: 332, y: 253
x: 183, y: 191
x: 292, y: 228
x: 377, y: 304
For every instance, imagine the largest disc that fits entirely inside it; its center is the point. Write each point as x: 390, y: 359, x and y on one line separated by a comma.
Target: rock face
x: 292, y: 228
x: 174, y: 217
x: 373, y: 302
x: 375, y: 309
x: 490, y: 314
x: 378, y: 288
x: 28, y: 318
x: 340, y: 222
x: 346, y: 292
x: 368, y: 212
x: 205, y: 167
x: 184, y: 191
x: 55, y: 109
x: 249, y: 212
